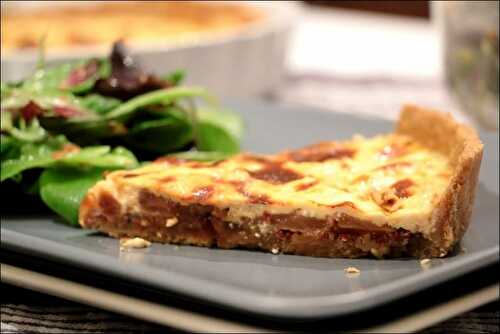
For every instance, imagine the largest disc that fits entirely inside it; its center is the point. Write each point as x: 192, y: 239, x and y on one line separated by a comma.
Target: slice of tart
x: 407, y: 193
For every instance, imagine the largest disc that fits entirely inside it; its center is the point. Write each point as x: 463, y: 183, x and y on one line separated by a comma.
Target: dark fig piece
x: 127, y: 80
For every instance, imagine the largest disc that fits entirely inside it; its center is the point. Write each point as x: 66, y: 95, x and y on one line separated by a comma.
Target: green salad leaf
x: 52, y: 153
x: 219, y: 131
x: 202, y: 155
x: 62, y: 127
x: 98, y: 103
x: 63, y: 186
x: 27, y: 131
x: 6, y: 89
x: 100, y: 156
x: 176, y: 77
x: 57, y: 104
x: 31, y: 155
x: 62, y: 189
x: 56, y: 78
x: 161, y: 135
x: 162, y: 96
x: 9, y: 147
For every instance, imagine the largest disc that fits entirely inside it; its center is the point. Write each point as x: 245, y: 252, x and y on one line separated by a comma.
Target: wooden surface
x: 27, y: 311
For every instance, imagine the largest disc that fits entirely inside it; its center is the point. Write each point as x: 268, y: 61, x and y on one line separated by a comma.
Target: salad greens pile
x: 64, y: 126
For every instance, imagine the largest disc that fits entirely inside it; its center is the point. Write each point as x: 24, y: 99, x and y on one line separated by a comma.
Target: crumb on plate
x: 425, y: 263
x: 134, y: 243
x: 352, y: 271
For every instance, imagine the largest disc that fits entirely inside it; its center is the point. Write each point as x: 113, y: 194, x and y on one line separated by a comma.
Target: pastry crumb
x: 352, y: 271
x: 275, y: 250
x: 133, y: 243
x: 425, y: 263
x: 171, y: 222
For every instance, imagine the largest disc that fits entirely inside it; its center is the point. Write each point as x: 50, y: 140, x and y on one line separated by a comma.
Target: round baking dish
x: 248, y: 62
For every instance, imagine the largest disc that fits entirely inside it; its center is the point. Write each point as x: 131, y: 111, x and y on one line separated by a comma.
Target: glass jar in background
x: 469, y: 35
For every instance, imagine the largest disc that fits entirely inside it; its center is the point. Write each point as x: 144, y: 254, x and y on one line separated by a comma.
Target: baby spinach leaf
x: 5, y: 120
x: 9, y: 147
x: 50, y: 79
x: 38, y: 155
x: 162, y: 111
x: 32, y: 155
x: 100, y: 156
x: 83, y: 78
x: 219, y: 131
x: 160, y: 135
x: 63, y: 186
x: 85, y: 132
x: 202, y: 155
x: 62, y: 189
x: 127, y: 155
x: 99, y: 104
x: 32, y: 132
x: 6, y: 143
x: 6, y: 89
x: 15, y: 99
x: 176, y: 77
x: 56, y: 104
x: 162, y: 96
x: 76, y: 77
x: 111, y: 122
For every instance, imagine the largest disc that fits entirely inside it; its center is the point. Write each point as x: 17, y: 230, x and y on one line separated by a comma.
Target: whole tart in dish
x: 135, y: 22
x: 407, y: 193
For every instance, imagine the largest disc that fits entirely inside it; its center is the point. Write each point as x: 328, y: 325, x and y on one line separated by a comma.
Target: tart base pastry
x: 408, y: 193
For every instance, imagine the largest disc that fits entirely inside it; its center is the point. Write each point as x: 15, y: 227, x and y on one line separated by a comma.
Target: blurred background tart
x: 237, y: 48
x: 83, y: 24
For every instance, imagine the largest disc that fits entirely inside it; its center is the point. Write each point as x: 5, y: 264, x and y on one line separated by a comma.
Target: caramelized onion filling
x: 163, y: 220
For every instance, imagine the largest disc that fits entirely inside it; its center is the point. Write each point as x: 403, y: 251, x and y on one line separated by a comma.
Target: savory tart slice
x: 408, y: 193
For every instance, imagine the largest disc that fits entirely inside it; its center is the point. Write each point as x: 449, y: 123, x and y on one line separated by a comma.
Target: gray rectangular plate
x: 277, y: 285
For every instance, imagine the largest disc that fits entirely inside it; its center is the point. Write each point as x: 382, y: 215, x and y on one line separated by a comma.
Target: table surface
x: 338, y: 60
